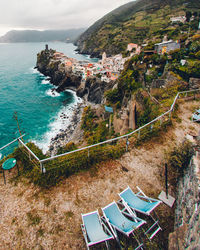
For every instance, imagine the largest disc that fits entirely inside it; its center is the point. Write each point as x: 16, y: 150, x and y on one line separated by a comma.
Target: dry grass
x: 50, y: 219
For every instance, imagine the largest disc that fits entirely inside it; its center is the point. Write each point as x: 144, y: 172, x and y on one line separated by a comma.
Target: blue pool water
x: 25, y: 91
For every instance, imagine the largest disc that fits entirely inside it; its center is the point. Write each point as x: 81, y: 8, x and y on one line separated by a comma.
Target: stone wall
x: 194, y: 83
x: 187, y: 221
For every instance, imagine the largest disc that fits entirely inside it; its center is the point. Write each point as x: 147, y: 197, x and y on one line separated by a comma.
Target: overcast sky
x: 53, y: 14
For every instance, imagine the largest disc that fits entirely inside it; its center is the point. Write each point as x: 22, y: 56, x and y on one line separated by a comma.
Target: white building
x: 178, y: 19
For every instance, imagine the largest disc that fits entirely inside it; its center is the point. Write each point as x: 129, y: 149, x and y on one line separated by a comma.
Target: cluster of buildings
x: 109, y: 68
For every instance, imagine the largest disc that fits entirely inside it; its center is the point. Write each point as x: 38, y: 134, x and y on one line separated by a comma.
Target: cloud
x: 53, y: 14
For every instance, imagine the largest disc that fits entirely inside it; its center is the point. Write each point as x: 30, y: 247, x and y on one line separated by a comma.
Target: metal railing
x: 127, y: 135
x: 12, y: 142
x: 159, y: 118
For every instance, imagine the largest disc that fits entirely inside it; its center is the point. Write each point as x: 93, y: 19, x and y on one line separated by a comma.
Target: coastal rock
x: 71, y: 133
x: 54, y: 69
x: 92, y: 89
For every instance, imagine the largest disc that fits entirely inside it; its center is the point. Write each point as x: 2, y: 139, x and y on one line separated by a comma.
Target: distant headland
x: 17, y: 36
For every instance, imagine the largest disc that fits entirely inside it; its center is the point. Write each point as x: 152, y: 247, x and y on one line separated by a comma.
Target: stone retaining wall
x: 187, y: 221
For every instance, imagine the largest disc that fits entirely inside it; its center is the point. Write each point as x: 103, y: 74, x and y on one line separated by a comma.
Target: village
x: 109, y: 68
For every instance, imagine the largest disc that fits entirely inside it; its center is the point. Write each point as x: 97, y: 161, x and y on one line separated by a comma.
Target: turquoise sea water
x: 25, y: 91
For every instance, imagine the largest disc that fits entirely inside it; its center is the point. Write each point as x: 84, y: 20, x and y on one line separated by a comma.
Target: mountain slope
x: 132, y: 22
x: 15, y: 36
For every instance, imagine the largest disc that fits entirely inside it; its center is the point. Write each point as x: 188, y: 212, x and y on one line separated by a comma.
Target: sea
x: 26, y: 94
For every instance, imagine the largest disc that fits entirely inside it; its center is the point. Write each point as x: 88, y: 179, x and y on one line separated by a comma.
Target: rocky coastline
x: 91, y: 92
x: 72, y: 132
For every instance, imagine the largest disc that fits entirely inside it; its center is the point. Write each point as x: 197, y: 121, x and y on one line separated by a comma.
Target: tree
x: 188, y: 16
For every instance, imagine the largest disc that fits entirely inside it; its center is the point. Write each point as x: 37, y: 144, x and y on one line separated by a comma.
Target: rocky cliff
x: 91, y: 90
x: 55, y: 69
x: 186, y: 233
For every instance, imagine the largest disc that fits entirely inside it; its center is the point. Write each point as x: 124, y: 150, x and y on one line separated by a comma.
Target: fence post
x: 160, y: 121
x: 139, y: 134
x: 127, y: 143
x: 88, y: 153
x: 170, y: 115
x: 166, y: 180
x: 151, y: 127
x: 41, y: 167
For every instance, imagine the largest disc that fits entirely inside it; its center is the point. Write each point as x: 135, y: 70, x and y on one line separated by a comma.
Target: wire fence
x: 88, y: 150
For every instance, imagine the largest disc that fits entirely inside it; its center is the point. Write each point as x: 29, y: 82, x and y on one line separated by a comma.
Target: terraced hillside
x: 137, y: 21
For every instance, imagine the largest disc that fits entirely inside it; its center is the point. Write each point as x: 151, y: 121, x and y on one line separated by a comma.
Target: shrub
x: 113, y: 96
x: 179, y: 157
x: 65, y: 166
x: 67, y: 148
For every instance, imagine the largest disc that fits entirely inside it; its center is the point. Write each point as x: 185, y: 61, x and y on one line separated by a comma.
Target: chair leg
x: 107, y: 245
x: 117, y: 239
x: 138, y: 242
x: 4, y: 177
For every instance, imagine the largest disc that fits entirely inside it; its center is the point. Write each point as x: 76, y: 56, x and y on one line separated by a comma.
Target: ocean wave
x: 77, y: 99
x: 52, y: 93
x: 60, y: 122
x: 45, y: 81
x: 35, y: 71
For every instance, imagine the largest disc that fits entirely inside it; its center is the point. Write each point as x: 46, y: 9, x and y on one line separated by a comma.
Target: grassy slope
x: 132, y: 22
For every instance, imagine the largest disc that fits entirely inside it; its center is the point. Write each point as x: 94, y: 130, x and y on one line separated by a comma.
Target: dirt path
x: 34, y: 219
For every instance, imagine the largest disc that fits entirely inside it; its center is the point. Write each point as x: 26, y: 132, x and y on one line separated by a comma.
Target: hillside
x: 15, y: 36
x: 133, y: 22
x: 50, y: 219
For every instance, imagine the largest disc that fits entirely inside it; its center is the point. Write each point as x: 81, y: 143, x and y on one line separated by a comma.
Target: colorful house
x: 166, y: 47
x: 114, y: 76
x: 135, y: 46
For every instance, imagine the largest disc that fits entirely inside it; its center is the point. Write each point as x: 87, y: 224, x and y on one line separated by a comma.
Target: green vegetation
x: 94, y: 130
x: 67, y: 148
x: 133, y: 22
x: 65, y: 166
x: 191, y: 53
x: 138, y: 22
x: 179, y: 157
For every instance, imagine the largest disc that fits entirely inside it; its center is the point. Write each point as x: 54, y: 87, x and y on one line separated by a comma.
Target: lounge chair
x: 117, y: 221
x: 197, y: 111
x: 94, y: 229
x: 196, y: 117
x: 141, y: 203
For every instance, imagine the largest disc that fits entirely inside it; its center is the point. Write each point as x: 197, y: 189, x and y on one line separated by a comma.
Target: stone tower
x: 104, y: 57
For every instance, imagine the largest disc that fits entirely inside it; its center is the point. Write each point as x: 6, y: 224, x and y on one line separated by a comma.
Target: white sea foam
x: 35, y: 71
x: 52, y: 93
x: 60, y: 122
x: 45, y: 81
